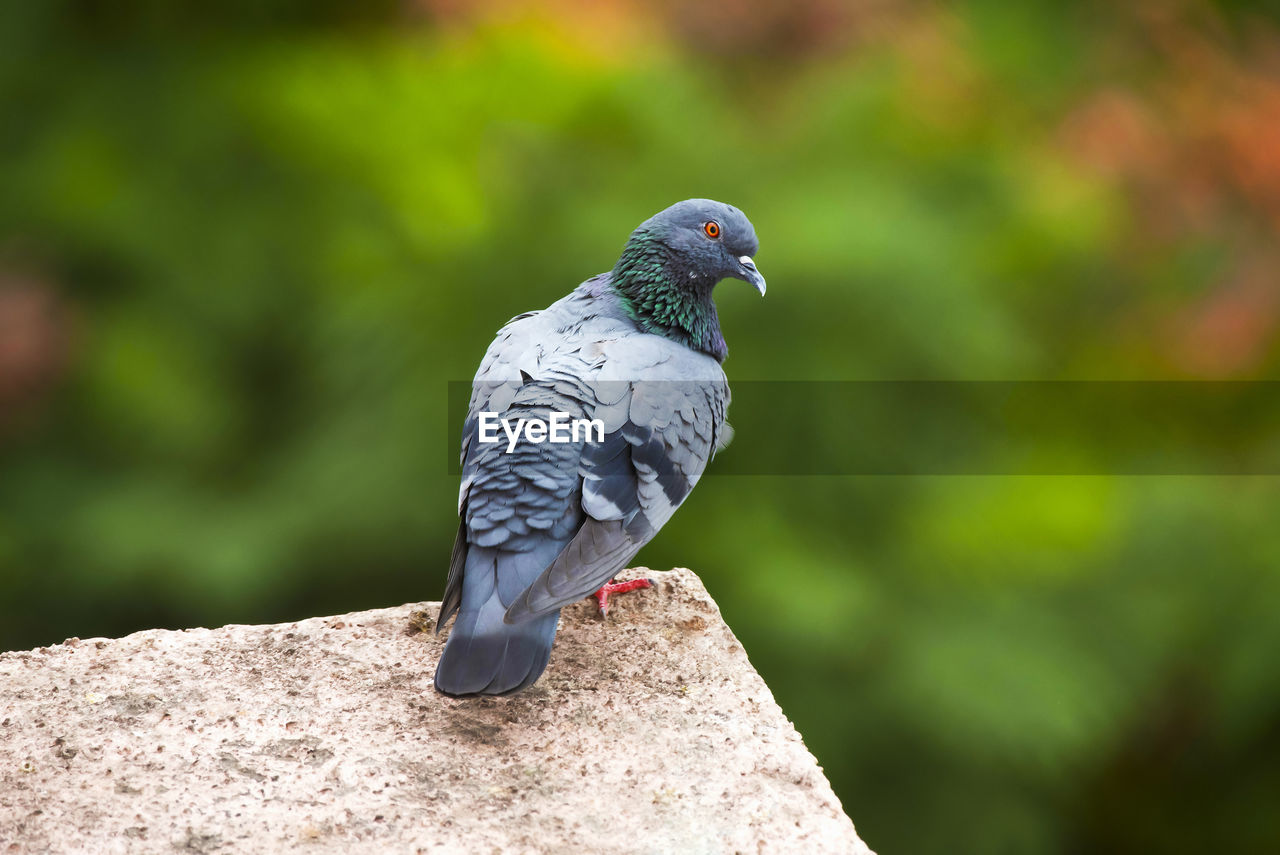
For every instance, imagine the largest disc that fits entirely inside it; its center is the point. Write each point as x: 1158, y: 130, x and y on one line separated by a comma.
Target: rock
x: 649, y: 732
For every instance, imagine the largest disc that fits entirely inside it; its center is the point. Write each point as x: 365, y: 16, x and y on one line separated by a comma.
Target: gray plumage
x: 638, y: 348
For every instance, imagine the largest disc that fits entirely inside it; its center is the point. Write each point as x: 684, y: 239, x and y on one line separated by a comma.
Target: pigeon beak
x: 748, y: 273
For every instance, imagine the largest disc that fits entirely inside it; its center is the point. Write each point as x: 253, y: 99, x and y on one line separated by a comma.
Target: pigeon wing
x: 659, y: 434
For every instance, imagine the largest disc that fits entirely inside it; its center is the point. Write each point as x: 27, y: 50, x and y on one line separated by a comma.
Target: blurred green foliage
x: 244, y: 249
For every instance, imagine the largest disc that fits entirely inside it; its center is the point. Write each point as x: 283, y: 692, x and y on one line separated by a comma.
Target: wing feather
x: 632, y: 482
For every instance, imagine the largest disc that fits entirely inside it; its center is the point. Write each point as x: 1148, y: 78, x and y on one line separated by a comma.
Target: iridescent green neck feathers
x: 667, y: 297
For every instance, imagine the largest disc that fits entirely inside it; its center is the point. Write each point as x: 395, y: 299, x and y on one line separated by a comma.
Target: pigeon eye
x: 712, y: 229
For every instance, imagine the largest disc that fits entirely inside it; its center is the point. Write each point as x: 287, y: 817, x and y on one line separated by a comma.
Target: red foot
x: 602, y: 595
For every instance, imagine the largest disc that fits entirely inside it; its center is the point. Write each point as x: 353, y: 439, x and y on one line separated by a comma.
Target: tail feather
x: 484, y: 658
x: 485, y: 655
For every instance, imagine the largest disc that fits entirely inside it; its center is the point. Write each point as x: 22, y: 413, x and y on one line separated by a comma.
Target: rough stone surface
x: 649, y: 732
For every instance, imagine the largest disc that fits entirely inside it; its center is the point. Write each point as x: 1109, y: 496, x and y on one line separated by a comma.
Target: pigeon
x: 634, y: 357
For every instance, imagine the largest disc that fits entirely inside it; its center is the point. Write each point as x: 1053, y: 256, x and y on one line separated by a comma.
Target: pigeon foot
x: 611, y: 588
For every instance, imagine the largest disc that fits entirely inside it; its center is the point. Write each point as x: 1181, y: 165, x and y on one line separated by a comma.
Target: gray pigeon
x: 545, y: 523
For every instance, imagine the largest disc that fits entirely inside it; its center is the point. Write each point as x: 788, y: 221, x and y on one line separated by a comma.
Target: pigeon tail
x: 483, y: 659
x: 485, y: 655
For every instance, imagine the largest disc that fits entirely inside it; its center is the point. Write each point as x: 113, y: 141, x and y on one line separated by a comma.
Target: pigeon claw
x: 610, y: 588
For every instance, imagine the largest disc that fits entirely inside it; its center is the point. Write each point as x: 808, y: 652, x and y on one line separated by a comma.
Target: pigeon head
x: 706, y: 240
x: 674, y: 259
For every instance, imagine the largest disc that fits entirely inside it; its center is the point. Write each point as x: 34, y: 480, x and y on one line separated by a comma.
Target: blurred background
x: 244, y: 247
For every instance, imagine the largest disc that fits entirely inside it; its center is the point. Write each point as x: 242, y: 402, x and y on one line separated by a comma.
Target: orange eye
x: 712, y: 229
